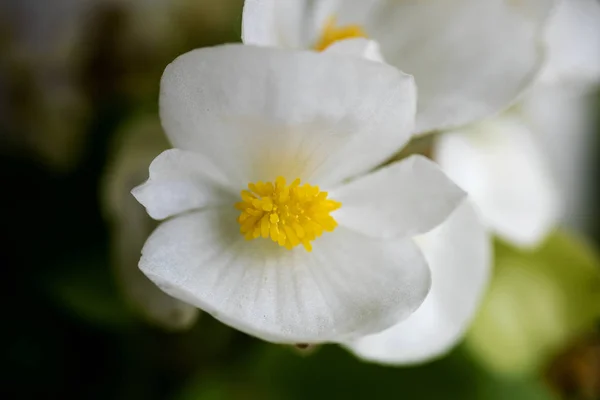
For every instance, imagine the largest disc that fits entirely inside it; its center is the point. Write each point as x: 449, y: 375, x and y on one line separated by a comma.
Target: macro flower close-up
x: 278, y: 227
x: 301, y: 199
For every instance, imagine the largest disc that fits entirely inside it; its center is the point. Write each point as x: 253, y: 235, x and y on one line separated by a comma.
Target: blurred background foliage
x: 79, y: 126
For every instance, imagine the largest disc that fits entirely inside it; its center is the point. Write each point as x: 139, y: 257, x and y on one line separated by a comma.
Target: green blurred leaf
x: 538, y: 301
x: 332, y: 373
x: 205, y: 388
x: 228, y: 385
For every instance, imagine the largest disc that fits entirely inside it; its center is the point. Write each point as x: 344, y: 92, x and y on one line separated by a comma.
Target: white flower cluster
x: 281, y: 220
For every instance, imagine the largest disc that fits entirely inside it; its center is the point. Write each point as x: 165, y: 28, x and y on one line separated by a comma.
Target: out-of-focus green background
x: 78, y: 127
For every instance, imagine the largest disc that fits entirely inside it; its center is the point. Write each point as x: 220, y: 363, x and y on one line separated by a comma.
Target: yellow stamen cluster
x: 332, y: 33
x: 289, y: 214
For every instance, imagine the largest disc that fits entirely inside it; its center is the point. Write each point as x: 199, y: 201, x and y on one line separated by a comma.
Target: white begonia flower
x: 290, y: 262
x: 470, y: 58
x: 524, y: 168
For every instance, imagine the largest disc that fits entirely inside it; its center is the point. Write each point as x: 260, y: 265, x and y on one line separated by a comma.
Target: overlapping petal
x: 470, y: 58
x: 360, y: 47
x: 349, y: 285
x: 500, y: 165
x: 274, y: 23
x: 407, y: 198
x: 181, y: 181
x: 256, y: 113
x: 459, y: 256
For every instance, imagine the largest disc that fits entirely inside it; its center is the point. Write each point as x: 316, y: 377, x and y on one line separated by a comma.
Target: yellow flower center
x: 288, y: 214
x: 332, y: 33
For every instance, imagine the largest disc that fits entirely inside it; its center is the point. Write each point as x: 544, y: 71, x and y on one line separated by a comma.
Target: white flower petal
x: 181, y: 181
x: 348, y: 285
x: 360, y: 47
x: 292, y: 24
x: 573, y: 40
x: 459, y: 255
x: 406, y: 198
x: 258, y: 113
x: 143, y: 295
x: 470, y: 58
x: 273, y: 23
x: 500, y: 165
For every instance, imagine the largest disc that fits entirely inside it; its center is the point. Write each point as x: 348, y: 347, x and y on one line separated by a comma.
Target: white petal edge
x: 470, y: 58
x: 364, y: 48
x: 500, y: 165
x: 181, y: 181
x: 257, y: 113
x: 348, y: 286
x: 139, y: 141
x: 403, y: 199
x: 459, y: 255
x: 142, y: 294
